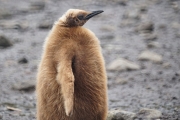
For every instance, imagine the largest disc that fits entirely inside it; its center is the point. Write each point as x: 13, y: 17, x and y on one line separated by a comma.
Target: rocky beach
x: 140, y: 42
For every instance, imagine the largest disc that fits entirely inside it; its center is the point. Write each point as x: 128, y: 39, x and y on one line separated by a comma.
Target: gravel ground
x: 146, y: 33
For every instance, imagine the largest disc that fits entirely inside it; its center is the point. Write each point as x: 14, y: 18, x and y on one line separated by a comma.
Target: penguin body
x: 71, y: 81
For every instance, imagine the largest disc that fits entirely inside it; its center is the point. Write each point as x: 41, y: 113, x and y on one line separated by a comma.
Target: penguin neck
x: 60, y: 29
x: 61, y: 23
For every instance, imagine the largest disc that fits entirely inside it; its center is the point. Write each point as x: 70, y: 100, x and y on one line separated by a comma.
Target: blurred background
x: 140, y: 41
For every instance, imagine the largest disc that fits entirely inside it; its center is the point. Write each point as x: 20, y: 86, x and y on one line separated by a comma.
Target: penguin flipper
x: 65, y: 78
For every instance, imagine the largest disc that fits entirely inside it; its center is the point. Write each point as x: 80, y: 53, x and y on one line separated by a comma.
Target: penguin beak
x: 92, y: 14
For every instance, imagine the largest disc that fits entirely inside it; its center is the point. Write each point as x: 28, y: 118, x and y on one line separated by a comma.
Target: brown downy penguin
x: 71, y: 83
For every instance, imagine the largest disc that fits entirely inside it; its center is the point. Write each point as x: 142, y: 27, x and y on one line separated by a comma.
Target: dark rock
x: 23, y: 61
x: 143, y: 9
x: 148, y: 87
x: 174, y: 98
x: 177, y: 73
x: 4, y: 42
x: 173, y: 78
x: 160, y: 72
x: 122, y: 2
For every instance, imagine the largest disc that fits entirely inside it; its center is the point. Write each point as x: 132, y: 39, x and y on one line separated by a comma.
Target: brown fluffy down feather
x: 71, y: 80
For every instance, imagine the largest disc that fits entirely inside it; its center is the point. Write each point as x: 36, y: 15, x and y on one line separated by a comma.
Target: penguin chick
x: 71, y: 80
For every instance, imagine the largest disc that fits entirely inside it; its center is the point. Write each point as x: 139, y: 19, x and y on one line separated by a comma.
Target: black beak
x: 92, y: 14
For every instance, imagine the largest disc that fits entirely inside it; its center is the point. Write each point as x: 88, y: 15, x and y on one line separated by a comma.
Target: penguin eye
x: 80, y: 17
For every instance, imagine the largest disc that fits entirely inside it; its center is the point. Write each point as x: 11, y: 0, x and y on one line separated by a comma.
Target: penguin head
x: 76, y: 17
